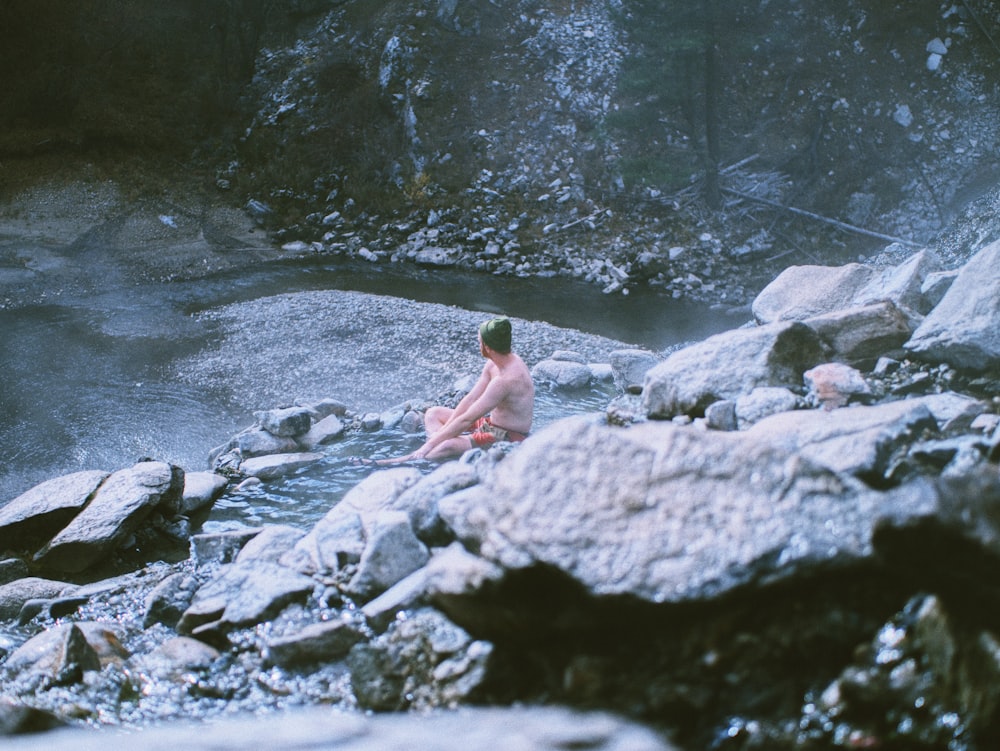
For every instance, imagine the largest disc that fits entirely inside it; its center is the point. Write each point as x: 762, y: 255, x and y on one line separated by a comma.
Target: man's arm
x: 462, y: 418
x: 466, y: 414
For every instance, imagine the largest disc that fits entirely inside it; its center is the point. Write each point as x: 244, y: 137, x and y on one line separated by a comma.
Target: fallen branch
x: 737, y: 165
x: 827, y: 220
x: 581, y: 220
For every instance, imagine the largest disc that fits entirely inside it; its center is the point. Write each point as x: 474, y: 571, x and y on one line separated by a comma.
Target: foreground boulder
x: 499, y: 729
x: 697, y: 514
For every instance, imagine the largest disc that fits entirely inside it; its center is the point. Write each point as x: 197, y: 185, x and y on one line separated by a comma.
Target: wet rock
x: 220, y: 547
x: 61, y: 655
x: 119, y: 507
x: 412, y: 422
x: 424, y: 660
x: 57, y: 607
x: 273, y: 541
x: 915, y: 685
x: 287, y: 423
x: 727, y: 365
x: 964, y: 328
x: 327, y: 430
x: 35, y: 516
x: 278, y: 465
x: 407, y: 593
x: 420, y: 502
x: 562, y: 374
x: 315, y: 643
x: 392, y: 551
x: 259, y: 442
x: 175, y: 657
x: 13, y: 596
x: 324, y: 408
x: 629, y: 367
x: 201, y: 490
x: 339, y: 537
x: 245, y: 594
x: 169, y: 599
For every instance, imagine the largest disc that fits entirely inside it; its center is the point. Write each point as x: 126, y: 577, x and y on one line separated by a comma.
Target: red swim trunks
x: 485, y: 433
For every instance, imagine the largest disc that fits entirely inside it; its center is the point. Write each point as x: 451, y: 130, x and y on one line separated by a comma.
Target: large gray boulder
x: 119, y: 507
x: 860, y: 335
x: 35, y: 516
x: 903, y: 285
x: 697, y: 513
x: 963, y: 330
x: 728, y: 365
x: 801, y: 292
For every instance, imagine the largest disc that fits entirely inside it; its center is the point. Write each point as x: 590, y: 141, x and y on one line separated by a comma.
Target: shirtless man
x: 498, y: 408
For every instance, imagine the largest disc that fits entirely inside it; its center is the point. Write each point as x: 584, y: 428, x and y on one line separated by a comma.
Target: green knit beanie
x: 495, y: 334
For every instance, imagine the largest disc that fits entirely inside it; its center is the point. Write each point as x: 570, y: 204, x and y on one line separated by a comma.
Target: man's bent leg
x: 435, y: 418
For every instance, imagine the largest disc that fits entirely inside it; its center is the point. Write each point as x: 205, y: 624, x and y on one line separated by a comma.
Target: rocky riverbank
x: 782, y: 536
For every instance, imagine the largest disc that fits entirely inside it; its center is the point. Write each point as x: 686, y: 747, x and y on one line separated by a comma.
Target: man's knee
x: 436, y: 416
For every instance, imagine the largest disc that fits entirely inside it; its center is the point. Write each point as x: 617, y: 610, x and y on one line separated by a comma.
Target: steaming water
x: 88, y: 380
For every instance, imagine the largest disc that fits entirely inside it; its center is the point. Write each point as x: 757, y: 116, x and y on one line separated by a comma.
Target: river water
x: 90, y: 380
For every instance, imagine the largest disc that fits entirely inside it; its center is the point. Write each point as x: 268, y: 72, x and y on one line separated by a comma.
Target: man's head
x: 495, y: 334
